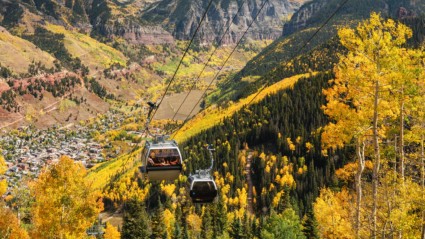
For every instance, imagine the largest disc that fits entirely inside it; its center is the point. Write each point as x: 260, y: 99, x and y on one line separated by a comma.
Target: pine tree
x: 206, y: 228
x: 237, y: 229
x: 177, y: 233
x: 136, y: 223
x: 159, y: 229
x: 309, y: 224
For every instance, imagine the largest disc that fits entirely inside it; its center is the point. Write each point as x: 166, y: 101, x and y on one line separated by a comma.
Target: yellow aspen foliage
x: 298, y: 140
x: 263, y: 191
x: 288, y: 168
x: 277, y: 198
x: 262, y: 157
x: 3, y: 168
x: 9, y: 225
x: 332, y: 211
x: 267, y: 169
x: 240, y: 213
x: 229, y: 177
x: 225, y: 199
x: 182, y: 178
x: 111, y: 232
x: 168, y: 189
x: 230, y: 201
x: 287, y: 180
x: 194, y: 223
x: 230, y: 216
x: 347, y: 172
x: 169, y: 221
x: 243, y: 198
x: 65, y: 204
x: 291, y: 145
x: 300, y: 171
x: 225, y: 189
x: 242, y: 160
x: 309, y: 146
x: 285, y: 160
x: 273, y: 159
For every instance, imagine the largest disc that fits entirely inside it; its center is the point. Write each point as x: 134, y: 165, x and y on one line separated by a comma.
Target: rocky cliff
x: 317, y: 11
x: 160, y: 21
x: 182, y: 17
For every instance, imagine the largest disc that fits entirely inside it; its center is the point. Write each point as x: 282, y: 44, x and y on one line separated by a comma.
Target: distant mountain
x: 156, y: 21
x: 316, y: 12
x: 321, y: 53
x: 181, y: 18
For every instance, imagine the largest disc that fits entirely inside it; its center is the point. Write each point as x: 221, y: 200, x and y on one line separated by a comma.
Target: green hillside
x: 91, y: 52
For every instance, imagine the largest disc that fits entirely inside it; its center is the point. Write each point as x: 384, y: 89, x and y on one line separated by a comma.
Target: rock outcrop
x: 182, y: 17
x: 317, y: 11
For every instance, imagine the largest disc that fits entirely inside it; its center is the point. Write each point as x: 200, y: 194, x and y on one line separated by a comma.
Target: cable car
x: 202, y: 185
x: 161, y: 160
x: 202, y: 188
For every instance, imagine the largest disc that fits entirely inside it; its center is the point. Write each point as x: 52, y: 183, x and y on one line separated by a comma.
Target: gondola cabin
x: 161, y: 160
x: 202, y: 188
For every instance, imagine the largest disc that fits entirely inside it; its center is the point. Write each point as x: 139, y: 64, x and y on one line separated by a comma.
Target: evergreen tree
x: 136, y: 223
x: 158, y: 227
x: 177, y: 233
x: 237, y: 229
x: 285, y: 226
x: 207, y: 229
x: 309, y: 224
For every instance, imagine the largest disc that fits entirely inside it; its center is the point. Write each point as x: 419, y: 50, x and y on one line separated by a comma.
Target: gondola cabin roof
x: 198, y: 177
x: 161, y: 144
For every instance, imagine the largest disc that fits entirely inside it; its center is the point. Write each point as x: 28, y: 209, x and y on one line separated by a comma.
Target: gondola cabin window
x: 163, y: 157
x: 161, y: 160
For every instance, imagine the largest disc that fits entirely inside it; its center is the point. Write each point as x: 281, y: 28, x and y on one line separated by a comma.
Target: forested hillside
x: 320, y: 135
x: 319, y: 54
x: 300, y: 188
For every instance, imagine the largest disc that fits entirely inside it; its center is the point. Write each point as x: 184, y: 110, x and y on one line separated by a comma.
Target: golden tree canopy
x: 65, y: 204
x: 111, y: 232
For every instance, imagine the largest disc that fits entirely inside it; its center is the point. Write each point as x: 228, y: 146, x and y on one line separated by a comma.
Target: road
x: 250, y: 184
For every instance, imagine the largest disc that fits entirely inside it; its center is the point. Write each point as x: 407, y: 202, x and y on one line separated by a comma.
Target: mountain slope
x: 212, y: 116
x: 17, y: 54
x: 90, y: 51
x: 272, y: 63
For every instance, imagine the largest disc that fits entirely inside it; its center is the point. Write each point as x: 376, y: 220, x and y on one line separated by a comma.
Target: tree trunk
x: 401, y: 147
x: 361, y: 160
x: 376, y: 161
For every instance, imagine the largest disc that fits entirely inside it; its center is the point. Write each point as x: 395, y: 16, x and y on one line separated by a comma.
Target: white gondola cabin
x: 161, y: 160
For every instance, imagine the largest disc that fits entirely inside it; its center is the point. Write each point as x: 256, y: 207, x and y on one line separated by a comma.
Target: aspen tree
x: 65, y: 204
x: 360, y: 101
